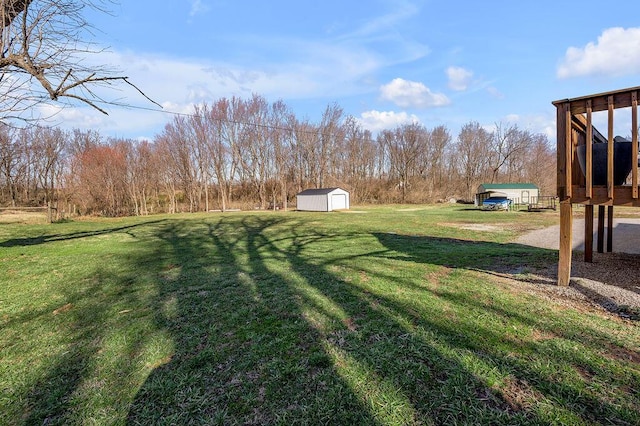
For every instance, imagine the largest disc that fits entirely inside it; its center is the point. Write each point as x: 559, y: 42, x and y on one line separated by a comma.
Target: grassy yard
x: 387, y: 316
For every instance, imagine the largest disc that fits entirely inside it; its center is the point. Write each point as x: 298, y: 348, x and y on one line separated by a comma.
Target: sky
x: 385, y: 62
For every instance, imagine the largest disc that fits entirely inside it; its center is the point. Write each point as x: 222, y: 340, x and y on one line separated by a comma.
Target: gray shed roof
x: 318, y: 191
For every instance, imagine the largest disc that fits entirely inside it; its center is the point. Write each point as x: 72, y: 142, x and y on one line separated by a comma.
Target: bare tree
x: 226, y: 132
x: 43, y: 49
x: 48, y: 146
x: 540, y: 166
x: 509, y: 144
x: 358, y: 159
x: 473, y: 147
x: 404, y: 147
x: 11, y: 154
x: 282, y: 155
x: 331, y: 133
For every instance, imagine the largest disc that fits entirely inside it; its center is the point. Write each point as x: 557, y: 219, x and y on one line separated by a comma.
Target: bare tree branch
x: 43, y: 49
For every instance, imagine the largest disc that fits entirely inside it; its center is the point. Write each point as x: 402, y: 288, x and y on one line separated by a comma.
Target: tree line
x: 250, y: 153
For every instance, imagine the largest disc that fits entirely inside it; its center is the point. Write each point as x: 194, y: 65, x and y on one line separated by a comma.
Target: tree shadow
x: 244, y: 352
x: 314, y: 345
x: 465, y: 335
x: 274, y: 322
x: 42, y: 239
x: 490, y: 257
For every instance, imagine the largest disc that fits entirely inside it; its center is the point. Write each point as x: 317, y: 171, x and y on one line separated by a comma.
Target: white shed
x: 322, y: 199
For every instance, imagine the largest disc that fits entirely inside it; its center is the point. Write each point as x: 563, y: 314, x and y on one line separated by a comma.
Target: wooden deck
x: 575, y: 128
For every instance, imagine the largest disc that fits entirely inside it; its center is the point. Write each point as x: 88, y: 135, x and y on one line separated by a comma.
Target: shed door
x: 525, y: 196
x: 338, y: 201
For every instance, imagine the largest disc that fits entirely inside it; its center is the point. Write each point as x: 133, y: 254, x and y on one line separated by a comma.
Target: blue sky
x: 384, y: 62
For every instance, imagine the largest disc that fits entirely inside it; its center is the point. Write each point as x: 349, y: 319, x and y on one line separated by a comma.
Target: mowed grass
x: 394, y: 316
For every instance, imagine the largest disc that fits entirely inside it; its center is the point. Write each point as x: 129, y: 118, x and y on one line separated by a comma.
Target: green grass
x: 394, y: 316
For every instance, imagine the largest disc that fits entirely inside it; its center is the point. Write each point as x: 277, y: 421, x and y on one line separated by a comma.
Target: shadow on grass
x: 467, y: 254
x: 41, y: 239
x: 271, y: 329
x: 244, y: 352
x: 274, y: 322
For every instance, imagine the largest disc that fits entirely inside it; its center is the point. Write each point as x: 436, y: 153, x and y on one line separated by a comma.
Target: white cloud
x: 459, y: 78
x: 277, y: 67
x: 376, y: 121
x: 614, y: 54
x: 412, y: 94
x: 494, y: 92
x: 177, y: 84
x: 197, y: 7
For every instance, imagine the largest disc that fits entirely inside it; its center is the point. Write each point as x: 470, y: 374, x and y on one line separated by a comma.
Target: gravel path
x: 612, y: 281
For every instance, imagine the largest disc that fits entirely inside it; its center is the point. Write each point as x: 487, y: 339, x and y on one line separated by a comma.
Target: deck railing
x: 575, y: 128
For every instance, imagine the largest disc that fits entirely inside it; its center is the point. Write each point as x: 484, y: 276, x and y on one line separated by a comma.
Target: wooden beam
x: 589, y: 156
x: 568, y: 156
x: 601, y: 229
x: 561, y: 151
x: 588, y: 234
x: 622, y: 196
x: 610, y: 148
x: 634, y: 144
x: 564, y: 255
x: 600, y: 101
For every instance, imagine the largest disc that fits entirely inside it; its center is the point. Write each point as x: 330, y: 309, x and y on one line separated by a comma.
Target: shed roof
x: 319, y: 191
x: 509, y: 186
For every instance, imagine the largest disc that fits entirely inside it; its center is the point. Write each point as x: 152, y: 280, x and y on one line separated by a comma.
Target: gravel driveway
x: 626, y: 236
x: 612, y: 281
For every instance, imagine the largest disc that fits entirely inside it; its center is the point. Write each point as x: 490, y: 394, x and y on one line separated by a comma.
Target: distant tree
x: 11, y: 164
x: 508, y: 148
x: 48, y: 146
x: 540, y: 167
x: 439, y: 143
x: 473, y: 149
x: 102, y: 179
x: 43, y: 50
x: 405, y: 148
x: 358, y: 159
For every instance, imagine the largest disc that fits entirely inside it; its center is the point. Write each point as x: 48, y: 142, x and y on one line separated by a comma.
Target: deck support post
x: 588, y: 233
x: 601, y: 229
x: 609, y: 229
x: 564, y: 262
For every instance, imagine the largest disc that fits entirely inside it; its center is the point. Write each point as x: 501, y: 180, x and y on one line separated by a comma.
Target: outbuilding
x: 518, y: 193
x: 322, y: 200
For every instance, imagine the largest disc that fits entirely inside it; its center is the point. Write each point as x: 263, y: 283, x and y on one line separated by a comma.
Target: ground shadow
x: 41, y: 239
x: 469, y: 254
x: 244, y: 352
x: 267, y: 333
x: 274, y: 322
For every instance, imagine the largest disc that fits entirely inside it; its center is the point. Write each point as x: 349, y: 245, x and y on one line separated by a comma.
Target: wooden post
x: 589, y: 154
x: 564, y: 261
x: 568, y: 141
x: 588, y: 233
x: 610, y: 148
x: 561, y: 152
x: 634, y: 144
x: 600, y: 229
x: 609, y: 229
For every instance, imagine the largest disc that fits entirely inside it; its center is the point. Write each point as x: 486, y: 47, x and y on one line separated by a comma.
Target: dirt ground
x: 611, y: 281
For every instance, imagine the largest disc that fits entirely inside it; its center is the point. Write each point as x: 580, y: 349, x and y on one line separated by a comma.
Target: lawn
x: 393, y: 315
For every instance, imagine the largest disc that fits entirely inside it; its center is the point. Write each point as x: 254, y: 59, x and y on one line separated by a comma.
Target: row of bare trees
x: 249, y: 153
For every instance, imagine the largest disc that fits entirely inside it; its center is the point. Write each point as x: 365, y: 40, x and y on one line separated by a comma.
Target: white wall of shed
x: 312, y: 203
